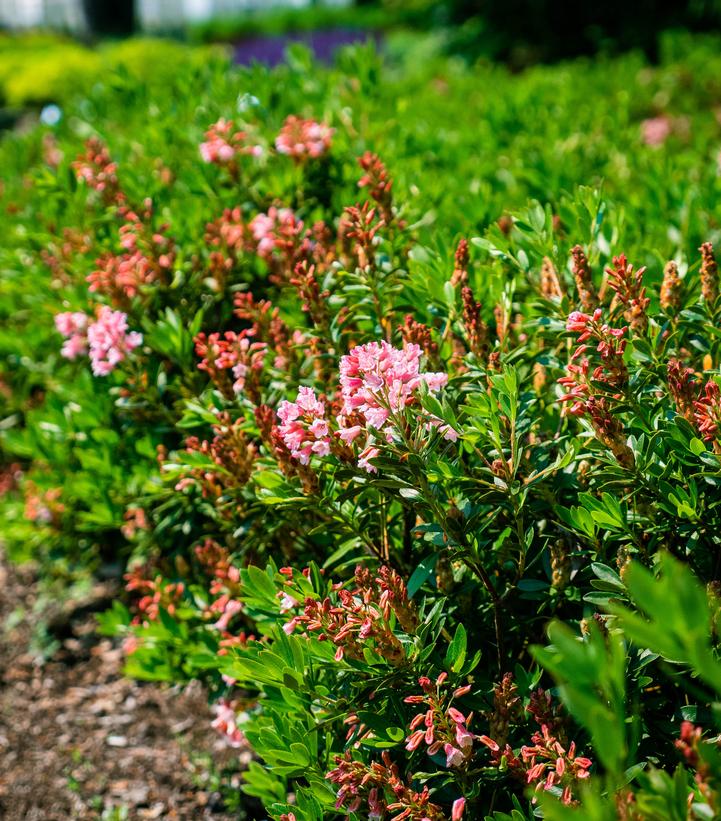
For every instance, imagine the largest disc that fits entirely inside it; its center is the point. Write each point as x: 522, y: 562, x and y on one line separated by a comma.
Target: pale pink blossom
x: 223, y: 143
x: 459, y: 805
x: 226, y: 723
x: 301, y: 139
x: 303, y: 427
x: 656, y: 130
x: 109, y: 340
x: 378, y: 381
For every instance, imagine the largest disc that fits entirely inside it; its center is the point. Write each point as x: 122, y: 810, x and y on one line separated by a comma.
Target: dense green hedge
x: 225, y: 474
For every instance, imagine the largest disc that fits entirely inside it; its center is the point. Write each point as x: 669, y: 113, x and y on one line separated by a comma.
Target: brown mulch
x: 78, y: 741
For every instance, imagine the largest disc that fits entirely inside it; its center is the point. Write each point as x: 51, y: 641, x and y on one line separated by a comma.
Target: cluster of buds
x: 44, y: 508
x: 551, y: 288
x: 147, y: 258
x: 268, y: 327
x: 378, y: 790
x: 544, y: 764
x: 630, y: 292
x: 377, y: 180
x: 561, y: 565
x: 107, y: 340
x: 441, y: 727
x: 60, y: 255
x: 225, y: 587
x: 709, y: 274
x: 461, y: 261
x: 707, y: 414
x: 99, y: 172
x: 551, y: 765
x: 10, y: 476
x: 359, y: 233
x: 313, y: 300
x: 670, y: 295
x: 683, y: 387
x: 223, y: 144
x: 416, y: 333
x: 591, y: 390
x: 611, y: 371
x: 303, y: 139
x: 507, y: 709
x: 282, y: 241
x: 226, y: 723
x: 690, y: 744
x: 227, y: 237
x: 154, y: 594
x: 476, y: 330
x: 235, y: 354
x: 359, y: 617
x: 587, y: 295
x: 135, y: 519
x: 232, y: 455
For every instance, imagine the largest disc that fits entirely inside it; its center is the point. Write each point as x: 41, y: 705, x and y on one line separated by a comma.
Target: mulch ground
x: 78, y: 741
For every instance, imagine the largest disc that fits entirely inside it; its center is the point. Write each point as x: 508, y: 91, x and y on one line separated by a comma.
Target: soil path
x: 78, y: 741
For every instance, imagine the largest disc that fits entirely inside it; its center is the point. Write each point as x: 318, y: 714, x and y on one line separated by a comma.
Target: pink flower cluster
x: 656, y: 130
x: 611, y: 371
x: 148, y: 257
x: 107, y: 339
x: 235, y: 352
x: 707, y: 411
x: 98, y: 171
x: 378, y: 380
x: 546, y: 763
x: 110, y: 341
x: 359, y: 617
x: 226, y: 723
x: 223, y: 143
x: 73, y: 326
x: 443, y: 726
x: 277, y: 226
x: 301, y: 139
x: 379, y: 789
x: 303, y: 426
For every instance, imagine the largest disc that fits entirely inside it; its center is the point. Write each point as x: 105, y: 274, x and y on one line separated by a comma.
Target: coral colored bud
x: 459, y: 806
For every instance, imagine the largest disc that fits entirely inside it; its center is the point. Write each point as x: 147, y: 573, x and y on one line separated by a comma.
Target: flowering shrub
x: 363, y: 468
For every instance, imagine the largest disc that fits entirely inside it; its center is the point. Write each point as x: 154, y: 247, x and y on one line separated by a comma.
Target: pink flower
x: 110, y: 341
x: 377, y: 381
x: 303, y: 427
x: 225, y: 722
x: 274, y: 229
x: 302, y: 139
x: 223, y: 143
x: 459, y: 805
x: 454, y: 757
x: 656, y: 130
x: 71, y: 322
